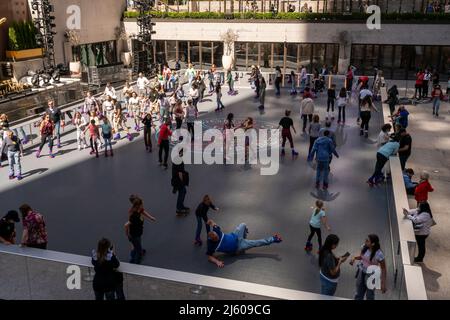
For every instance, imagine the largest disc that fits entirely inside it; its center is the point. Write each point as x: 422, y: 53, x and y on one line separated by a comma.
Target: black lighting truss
x: 144, y: 36
x: 44, y: 22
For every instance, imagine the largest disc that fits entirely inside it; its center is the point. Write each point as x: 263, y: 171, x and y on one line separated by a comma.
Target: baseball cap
x: 12, y: 215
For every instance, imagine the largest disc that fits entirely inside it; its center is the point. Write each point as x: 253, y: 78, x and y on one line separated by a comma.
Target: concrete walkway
x: 431, y: 152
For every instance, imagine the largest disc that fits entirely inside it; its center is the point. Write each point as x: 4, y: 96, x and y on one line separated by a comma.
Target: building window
x: 206, y: 54
x: 265, y: 55
x: 160, y: 51
x: 240, y: 53
x: 171, y: 52
x: 194, y: 50
x: 95, y: 54
x: 278, y: 55
x: 291, y: 57
x: 252, y: 54
x: 183, y: 53
x: 305, y: 56
x: 218, y: 53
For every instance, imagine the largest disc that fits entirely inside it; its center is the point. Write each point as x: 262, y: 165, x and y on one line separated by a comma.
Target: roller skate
x: 308, y: 247
x: 129, y: 137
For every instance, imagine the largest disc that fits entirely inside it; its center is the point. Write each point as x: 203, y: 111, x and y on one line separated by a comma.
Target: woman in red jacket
x: 422, y: 189
x: 419, y: 84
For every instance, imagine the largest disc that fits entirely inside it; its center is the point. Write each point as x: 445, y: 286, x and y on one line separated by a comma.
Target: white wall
x: 423, y: 34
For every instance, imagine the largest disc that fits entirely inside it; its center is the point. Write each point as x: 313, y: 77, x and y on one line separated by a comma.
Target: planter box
x: 24, y: 54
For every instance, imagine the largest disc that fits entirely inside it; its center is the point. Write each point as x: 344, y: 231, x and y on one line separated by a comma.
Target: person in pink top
x: 93, y: 136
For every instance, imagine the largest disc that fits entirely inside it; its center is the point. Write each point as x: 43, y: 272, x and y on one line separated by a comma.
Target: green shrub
x: 303, y: 16
x: 21, y: 36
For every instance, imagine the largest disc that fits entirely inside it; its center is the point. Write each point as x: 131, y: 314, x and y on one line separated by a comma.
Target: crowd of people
x: 162, y: 105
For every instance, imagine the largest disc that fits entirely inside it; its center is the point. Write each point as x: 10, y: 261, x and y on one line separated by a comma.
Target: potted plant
x: 228, y: 38
x: 72, y: 36
x: 22, y: 41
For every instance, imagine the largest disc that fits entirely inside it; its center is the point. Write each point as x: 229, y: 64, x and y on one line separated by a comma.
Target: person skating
x: 148, y: 123
x: 286, y: 123
x: 202, y: 216
x: 134, y: 228
x: 179, y: 181
x: 163, y: 142
x: 94, y: 135
x: 318, y: 218
x: 13, y: 148
x: 233, y: 243
x: 46, y: 129
x: 330, y: 102
x: 323, y: 149
x: 107, y: 136
x: 56, y: 117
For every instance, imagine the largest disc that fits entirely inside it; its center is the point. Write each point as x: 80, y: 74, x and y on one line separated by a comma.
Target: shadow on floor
x: 62, y: 152
x: 33, y: 172
x: 325, y: 195
x: 431, y: 278
x: 230, y: 259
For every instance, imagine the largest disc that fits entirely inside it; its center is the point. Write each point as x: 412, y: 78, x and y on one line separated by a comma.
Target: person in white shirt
x: 384, y: 135
x: 422, y: 220
x: 90, y: 104
x: 190, y: 74
x: 142, y: 83
x: 303, y: 78
x: 195, y: 95
x: 108, y: 107
x: 135, y: 106
x: 126, y: 94
x: 80, y: 124
x: 110, y: 91
x: 425, y: 84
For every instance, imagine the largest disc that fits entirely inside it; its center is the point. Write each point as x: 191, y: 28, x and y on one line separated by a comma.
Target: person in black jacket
x: 180, y: 180
x: 202, y: 214
x: 57, y: 118
x: 108, y: 282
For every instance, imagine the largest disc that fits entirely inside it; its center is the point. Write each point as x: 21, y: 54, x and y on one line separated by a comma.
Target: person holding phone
x: 371, y: 255
x: 330, y: 265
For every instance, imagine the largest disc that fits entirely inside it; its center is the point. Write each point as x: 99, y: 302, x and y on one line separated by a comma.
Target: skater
x: 56, y: 117
x: 191, y: 115
x: 134, y: 228
x: 148, y: 123
x: 46, y: 129
x: 120, y: 123
x: 90, y: 103
x: 107, y: 136
x: 330, y: 265
x: 220, y: 105
x: 201, y: 214
x: 306, y: 108
x: 349, y: 78
x: 178, y: 113
x: 278, y: 79
x: 384, y: 152
x: 127, y: 91
x: 80, y: 124
x: 392, y: 99
x: 94, y: 135
x: 142, y: 84
x: 286, y: 123
x: 13, y: 148
x: 135, y: 110
x: 163, y: 142
x: 437, y: 96
x: 230, y: 83
x: 330, y: 101
x: 419, y: 85
x: 262, y: 92
x: 293, y: 84
x: 318, y: 218
x: 342, y: 102
x: 324, y: 148
x: 233, y: 243
x: 179, y: 182
x: 194, y: 95
x: 314, y: 131
x: 365, y: 114
x: 371, y: 254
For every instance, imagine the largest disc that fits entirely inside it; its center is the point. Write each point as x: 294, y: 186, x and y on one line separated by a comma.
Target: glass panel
x: 318, y: 55
x: 386, y: 60
x: 195, y: 53
x: 171, y: 53
x: 218, y: 53
x: 252, y: 54
x: 239, y: 54
x: 401, y: 62
x: 331, y: 58
x: 206, y: 54
x: 445, y: 63
x: 160, y: 51
x: 278, y: 55
x: 265, y: 55
x: 183, y: 53
x: 291, y: 57
x: 305, y: 56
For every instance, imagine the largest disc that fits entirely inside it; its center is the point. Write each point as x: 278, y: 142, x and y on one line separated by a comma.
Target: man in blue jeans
x: 233, y: 243
x: 323, y: 148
